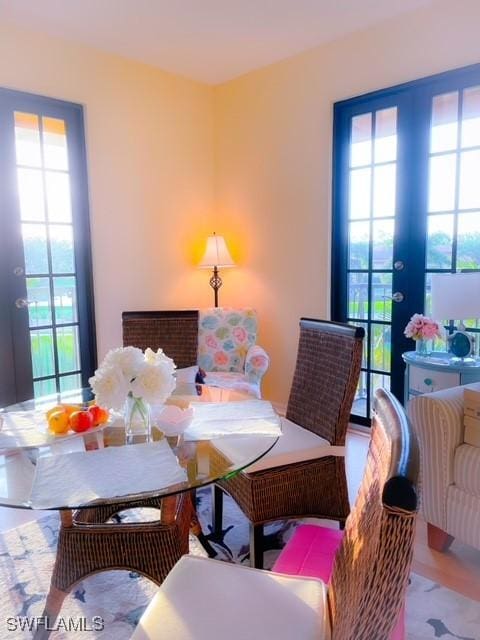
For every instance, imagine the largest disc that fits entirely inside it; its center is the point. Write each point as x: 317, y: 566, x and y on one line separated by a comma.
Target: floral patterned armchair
x: 227, y: 352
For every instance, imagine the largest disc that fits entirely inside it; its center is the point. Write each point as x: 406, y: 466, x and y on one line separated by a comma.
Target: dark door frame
x: 12, y: 253
x: 414, y: 101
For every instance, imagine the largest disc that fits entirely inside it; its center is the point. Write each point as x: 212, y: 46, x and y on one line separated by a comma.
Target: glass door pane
x: 371, y: 227
x: 453, y: 215
x: 43, y: 181
x: 47, y: 332
x: 406, y: 205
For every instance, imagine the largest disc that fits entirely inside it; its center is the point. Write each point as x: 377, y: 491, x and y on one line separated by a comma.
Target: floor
x: 457, y: 569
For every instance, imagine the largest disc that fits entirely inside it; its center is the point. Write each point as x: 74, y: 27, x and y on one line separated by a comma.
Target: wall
x: 273, y: 161
x: 150, y: 161
x: 152, y: 169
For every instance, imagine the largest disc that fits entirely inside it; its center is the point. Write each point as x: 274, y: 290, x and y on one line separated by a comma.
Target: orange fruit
x: 104, y: 416
x: 68, y: 408
x: 58, y: 422
x: 71, y: 408
x: 57, y: 407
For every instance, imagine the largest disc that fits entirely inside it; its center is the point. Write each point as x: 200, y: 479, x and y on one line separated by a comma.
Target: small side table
x: 424, y: 374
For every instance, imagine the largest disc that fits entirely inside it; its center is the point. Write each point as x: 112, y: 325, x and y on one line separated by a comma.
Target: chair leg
x: 438, y: 540
x: 256, y: 546
x: 52, y: 608
x: 217, y: 510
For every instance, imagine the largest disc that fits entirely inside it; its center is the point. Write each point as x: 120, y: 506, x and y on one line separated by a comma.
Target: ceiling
x: 208, y: 40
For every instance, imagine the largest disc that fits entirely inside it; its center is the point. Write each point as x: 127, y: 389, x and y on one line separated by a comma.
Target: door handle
x: 398, y: 296
x: 21, y: 303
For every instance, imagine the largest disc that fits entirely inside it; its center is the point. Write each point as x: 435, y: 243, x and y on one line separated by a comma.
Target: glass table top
x: 199, y: 462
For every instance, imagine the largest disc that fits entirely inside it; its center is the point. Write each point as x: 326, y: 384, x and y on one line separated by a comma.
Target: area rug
x: 119, y: 598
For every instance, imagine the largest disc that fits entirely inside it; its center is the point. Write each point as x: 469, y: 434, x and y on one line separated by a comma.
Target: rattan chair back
x: 176, y: 332
x: 326, y: 376
x: 372, y: 565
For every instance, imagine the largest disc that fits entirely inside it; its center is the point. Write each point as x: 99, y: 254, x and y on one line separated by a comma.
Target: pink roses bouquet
x: 422, y: 328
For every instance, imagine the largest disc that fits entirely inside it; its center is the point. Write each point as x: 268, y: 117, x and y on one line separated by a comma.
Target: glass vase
x: 137, y: 420
x: 423, y: 347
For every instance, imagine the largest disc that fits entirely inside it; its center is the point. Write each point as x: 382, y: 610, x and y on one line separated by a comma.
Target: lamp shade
x: 216, y: 254
x: 455, y: 296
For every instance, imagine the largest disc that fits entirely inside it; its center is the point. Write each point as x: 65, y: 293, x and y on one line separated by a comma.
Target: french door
x: 47, y: 339
x: 406, y: 205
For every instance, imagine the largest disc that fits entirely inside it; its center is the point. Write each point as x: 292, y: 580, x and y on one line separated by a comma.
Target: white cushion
x: 232, y: 380
x: 205, y: 599
x: 296, y: 444
x: 186, y: 375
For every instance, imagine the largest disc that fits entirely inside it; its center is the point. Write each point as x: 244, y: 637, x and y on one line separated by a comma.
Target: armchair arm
x: 437, y: 419
x: 256, y: 363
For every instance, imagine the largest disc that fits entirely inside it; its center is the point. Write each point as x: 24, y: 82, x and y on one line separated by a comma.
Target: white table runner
x: 78, y: 478
x: 246, y: 417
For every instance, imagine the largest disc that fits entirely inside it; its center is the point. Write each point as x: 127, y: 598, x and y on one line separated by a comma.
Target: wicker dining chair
x: 176, y: 332
x: 90, y: 541
x: 321, y: 396
x: 205, y: 599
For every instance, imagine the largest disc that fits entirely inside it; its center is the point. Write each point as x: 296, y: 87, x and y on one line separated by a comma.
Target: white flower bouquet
x: 130, y: 373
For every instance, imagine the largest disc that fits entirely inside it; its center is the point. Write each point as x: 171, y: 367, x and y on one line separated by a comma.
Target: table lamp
x: 456, y: 296
x: 216, y: 255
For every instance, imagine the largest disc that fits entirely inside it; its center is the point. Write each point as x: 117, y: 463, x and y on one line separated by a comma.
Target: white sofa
x: 450, y: 468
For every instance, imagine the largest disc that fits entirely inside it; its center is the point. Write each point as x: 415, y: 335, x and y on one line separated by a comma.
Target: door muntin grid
x: 436, y: 216
x: 453, y: 206
x: 371, y: 230
x: 45, y: 209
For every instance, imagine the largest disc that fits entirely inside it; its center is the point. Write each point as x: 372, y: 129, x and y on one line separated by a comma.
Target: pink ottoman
x: 311, y: 552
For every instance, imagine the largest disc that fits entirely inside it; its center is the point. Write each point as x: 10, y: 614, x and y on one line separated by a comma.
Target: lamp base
x: 215, y: 283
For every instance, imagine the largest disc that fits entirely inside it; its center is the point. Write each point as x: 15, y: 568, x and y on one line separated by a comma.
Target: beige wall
x: 162, y: 150
x: 150, y: 163
x: 273, y: 161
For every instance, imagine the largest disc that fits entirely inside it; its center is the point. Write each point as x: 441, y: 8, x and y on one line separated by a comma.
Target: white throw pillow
x: 186, y: 375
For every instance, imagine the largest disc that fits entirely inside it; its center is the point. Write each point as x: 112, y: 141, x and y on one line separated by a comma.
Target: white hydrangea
x: 127, y: 359
x: 110, y: 387
x: 154, y: 382
x: 157, y: 357
x: 125, y: 371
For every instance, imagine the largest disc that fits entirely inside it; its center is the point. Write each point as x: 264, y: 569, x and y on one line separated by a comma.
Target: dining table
x: 92, y: 478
